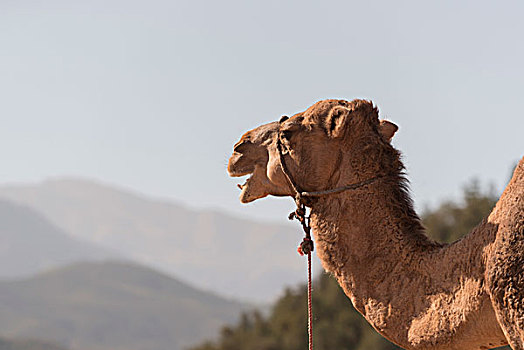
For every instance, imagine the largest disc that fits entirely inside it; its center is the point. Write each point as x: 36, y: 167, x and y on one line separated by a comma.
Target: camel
x: 418, y: 293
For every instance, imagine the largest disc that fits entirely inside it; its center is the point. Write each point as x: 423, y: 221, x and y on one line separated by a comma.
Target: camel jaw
x: 245, y: 192
x: 254, y: 187
x: 244, y: 186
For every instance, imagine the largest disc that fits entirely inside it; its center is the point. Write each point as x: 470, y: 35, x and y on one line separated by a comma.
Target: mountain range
x: 29, y: 243
x: 111, y: 305
x: 208, y: 249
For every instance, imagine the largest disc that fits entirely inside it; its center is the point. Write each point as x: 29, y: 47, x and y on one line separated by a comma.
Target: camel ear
x: 337, y: 120
x: 387, y: 130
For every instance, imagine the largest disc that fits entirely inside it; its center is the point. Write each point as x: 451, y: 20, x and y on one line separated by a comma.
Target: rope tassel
x: 305, y: 248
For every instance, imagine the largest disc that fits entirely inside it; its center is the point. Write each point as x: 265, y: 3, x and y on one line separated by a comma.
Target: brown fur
x: 418, y: 293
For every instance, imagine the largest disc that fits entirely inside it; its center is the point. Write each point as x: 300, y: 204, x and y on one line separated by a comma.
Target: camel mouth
x: 241, y: 173
x: 241, y: 186
x: 254, y: 186
x: 239, y: 166
x: 249, y: 190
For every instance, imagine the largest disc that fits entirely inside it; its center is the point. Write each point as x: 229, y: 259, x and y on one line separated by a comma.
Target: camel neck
x: 369, y: 225
x: 368, y: 238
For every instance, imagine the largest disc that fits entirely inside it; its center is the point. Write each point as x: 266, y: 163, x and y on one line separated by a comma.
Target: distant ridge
x: 215, y: 251
x: 29, y: 243
x: 111, y: 305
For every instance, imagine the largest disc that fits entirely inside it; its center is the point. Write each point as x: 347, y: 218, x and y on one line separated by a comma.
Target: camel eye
x: 286, y: 134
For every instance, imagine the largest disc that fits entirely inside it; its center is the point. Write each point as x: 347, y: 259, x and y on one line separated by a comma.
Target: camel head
x: 317, y: 146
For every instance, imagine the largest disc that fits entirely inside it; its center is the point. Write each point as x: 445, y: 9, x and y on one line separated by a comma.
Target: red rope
x: 309, y: 306
x: 306, y: 247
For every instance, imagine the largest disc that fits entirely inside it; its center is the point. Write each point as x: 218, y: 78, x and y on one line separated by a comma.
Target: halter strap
x: 299, y: 194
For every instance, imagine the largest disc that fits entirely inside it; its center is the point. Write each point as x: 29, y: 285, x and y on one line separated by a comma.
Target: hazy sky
x: 151, y: 95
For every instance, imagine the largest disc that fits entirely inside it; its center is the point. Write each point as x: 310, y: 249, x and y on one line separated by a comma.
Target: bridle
x: 307, y: 246
x: 301, y: 196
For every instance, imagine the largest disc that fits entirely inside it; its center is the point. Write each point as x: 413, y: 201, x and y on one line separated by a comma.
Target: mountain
x: 29, y: 243
x: 211, y: 250
x: 111, y: 306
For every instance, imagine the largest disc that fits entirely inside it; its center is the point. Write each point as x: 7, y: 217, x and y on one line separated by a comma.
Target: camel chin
x: 252, y: 190
x: 247, y: 196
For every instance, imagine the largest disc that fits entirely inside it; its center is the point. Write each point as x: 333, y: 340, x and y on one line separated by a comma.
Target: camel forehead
x: 313, y: 115
x: 320, y: 110
x: 323, y: 107
x: 316, y: 113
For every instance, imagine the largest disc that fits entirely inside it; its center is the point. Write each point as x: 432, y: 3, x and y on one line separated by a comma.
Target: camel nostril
x: 240, y: 148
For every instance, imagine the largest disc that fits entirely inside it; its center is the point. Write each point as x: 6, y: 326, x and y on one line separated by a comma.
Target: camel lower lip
x: 241, y: 186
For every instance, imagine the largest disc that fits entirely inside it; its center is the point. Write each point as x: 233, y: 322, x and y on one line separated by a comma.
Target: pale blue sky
x: 151, y: 95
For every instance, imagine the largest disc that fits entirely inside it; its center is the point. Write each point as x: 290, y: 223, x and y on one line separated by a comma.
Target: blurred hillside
x: 337, y: 325
x: 208, y: 249
x: 29, y: 243
x: 118, y: 305
x: 111, y: 305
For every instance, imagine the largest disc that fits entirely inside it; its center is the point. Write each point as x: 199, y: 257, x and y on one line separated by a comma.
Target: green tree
x: 452, y: 220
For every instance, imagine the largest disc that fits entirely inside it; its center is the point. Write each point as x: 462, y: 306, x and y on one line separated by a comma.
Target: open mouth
x: 241, y: 186
x: 244, y: 189
x: 254, y: 186
x: 255, y: 182
x: 235, y: 170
